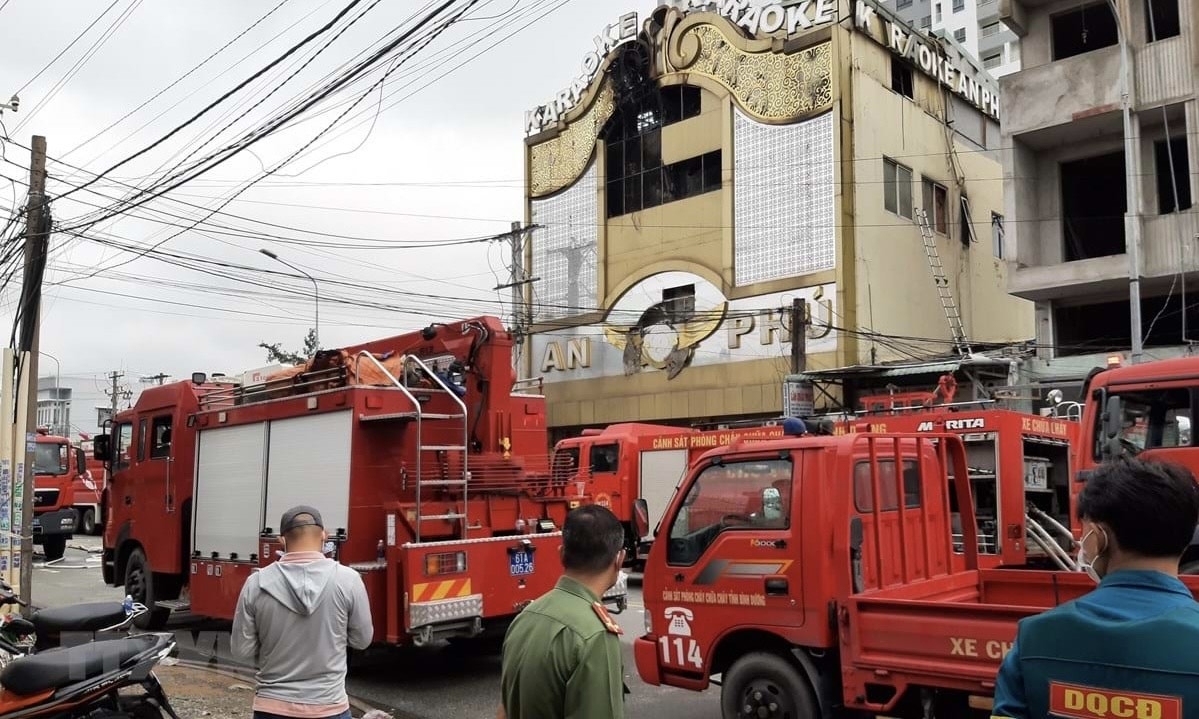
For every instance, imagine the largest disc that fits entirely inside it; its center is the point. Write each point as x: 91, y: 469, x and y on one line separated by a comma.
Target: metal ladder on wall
x: 419, y: 416
x: 954, y: 315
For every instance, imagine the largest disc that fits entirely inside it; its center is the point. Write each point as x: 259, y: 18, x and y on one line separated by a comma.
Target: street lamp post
x: 57, y: 393
x: 316, y: 289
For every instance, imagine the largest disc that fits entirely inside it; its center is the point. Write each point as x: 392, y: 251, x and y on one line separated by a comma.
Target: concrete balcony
x: 1060, y: 92
x: 1168, y: 246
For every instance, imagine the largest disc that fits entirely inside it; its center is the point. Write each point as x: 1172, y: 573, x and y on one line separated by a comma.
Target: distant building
x: 1066, y: 232
x: 973, y: 24
x: 707, y: 169
x: 53, y: 406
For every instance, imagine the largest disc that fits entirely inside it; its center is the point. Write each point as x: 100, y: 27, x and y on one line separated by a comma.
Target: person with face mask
x: 562, y: 653
x: 1126, y: 649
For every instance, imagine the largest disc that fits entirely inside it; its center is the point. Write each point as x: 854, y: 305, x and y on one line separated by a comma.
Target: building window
x: 1084, y: 29
x: 679, y: 303
x: 937, y: 12
x: 993, y: 60
x: 991, y: 29
x: 903, y: 4
x: 926, y: 22
x: 960, y: 34
x: 897, y: 188
x: 997, y: 235
x: 936, y: 204
x: 901, y: 77
x: 1093, y: 206
x: 959, y: 5
x: 1161, y: 19
x: 1163, y: 153
x: 636, y: 178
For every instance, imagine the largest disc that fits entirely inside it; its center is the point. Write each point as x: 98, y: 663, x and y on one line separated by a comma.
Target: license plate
x: 520, y: 563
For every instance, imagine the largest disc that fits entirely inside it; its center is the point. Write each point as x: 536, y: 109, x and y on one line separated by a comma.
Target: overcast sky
x: 443, y: 161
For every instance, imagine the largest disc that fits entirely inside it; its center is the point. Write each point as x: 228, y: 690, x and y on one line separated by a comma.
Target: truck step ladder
x: 441, y: 452
x: 956, y: 328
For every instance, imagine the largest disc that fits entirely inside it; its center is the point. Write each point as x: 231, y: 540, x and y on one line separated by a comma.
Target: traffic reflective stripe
x: 448, y: 589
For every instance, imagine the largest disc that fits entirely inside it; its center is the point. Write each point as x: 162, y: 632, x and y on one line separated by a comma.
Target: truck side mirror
x: 1111, y: 423
x: 641, y: 517
x: 855, y: 553
x: 101, y: 447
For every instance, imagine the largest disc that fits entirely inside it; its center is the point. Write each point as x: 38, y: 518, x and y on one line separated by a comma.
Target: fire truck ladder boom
x: 420, y: 416
x: 956, y: 328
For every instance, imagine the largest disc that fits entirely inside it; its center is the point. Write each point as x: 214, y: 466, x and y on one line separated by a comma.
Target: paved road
x: 429, y: 683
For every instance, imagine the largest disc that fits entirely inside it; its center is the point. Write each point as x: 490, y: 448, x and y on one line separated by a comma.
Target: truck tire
x: 766, y: 685
x: 85, y: 522
x: 54, y: 546
x: 139, y: 584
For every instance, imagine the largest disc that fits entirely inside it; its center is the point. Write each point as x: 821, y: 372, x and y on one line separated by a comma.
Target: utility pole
x: 37, y: 235
x: 799, y: 336
x: 117, y: 393
x: 518, y: 281
x: 157, y: 379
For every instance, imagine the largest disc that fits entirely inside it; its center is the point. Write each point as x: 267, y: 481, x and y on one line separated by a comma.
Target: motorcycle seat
x: 79, y: 618
x: 57, y: 668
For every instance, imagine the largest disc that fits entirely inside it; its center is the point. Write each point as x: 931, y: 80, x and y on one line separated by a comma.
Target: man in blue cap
x: 794, y: 427
x: 1127, y: 649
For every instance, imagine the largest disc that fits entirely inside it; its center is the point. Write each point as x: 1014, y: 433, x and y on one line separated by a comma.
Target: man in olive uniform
x: 562, y: 653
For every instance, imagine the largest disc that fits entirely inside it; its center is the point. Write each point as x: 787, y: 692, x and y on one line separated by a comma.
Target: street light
x: 57, y: 392
x: 315, y: 288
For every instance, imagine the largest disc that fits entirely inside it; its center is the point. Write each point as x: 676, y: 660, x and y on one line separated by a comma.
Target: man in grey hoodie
x: 295, y: 619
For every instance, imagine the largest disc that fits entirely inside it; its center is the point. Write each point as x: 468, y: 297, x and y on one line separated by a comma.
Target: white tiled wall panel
x: 564, y: 250
x: 782, y: 198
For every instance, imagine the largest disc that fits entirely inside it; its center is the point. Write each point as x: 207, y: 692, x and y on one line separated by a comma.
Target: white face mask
x: 1086, y: 563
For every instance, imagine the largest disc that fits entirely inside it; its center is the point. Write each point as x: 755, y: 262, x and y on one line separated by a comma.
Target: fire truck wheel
x: 139, y: 584
x: 766, y: 685
x: 54, y: 546
x: 86, y: 522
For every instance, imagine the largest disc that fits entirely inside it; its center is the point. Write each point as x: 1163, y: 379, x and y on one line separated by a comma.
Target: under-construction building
x: 712, y: 163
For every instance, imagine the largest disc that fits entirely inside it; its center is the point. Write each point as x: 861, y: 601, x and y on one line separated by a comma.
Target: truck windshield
x: 1151, y: 419
x: 50, y: 459
x: 737, y: 495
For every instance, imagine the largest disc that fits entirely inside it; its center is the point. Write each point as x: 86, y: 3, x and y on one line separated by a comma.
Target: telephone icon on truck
x: 679, y: 621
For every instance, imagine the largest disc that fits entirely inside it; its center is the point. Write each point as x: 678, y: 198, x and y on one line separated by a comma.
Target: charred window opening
x: 1093, y: 205
x: 936, y: 204
x: 901, y: 77
x: 1087, y: 28
x: 1104, y: 326
x: 1165, y: 154
x: 1161, y: 20
x: 636, y: 177
x: 679, y: 303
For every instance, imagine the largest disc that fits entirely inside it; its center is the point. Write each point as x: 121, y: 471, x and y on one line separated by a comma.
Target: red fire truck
x: 819, y: 574
x: 89, y: 486
x: 423, y: 452
x: 1021, y: 478
x: 1144, y: 410
x: 58, y: 465
x: 621, y: 463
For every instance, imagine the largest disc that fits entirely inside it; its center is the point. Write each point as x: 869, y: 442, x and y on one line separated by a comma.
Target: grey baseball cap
x: 294, y: 519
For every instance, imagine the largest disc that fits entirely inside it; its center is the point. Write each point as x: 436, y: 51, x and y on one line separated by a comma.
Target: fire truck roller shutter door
x: 227, y: 503
x: 310, y: 464
x: 661, y: 471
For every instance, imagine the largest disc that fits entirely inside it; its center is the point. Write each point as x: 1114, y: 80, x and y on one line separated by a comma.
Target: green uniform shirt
x: 561, y: 661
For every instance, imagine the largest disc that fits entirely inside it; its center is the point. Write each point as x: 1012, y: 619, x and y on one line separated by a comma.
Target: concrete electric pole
x: 37, y: 235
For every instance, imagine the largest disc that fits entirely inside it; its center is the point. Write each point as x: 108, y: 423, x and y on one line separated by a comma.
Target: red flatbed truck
x: 423, y: 452
x: 812, y: 580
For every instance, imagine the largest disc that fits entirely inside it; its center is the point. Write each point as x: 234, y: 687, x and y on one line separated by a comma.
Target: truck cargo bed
x: 950, y: 631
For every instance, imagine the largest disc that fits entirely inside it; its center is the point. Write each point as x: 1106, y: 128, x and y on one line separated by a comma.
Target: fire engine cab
x: 424, y: 454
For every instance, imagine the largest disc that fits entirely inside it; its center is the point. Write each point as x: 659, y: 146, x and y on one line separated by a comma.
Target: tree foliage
x: 276, y: 353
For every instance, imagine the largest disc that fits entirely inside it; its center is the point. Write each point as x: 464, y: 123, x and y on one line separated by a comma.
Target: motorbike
x: 85, y: 681
x: 45, y: 628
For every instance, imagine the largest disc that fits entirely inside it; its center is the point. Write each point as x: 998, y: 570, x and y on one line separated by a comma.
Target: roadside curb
x: 359, y: 706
